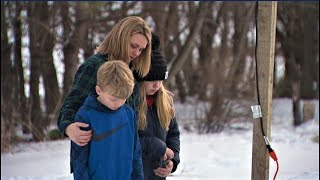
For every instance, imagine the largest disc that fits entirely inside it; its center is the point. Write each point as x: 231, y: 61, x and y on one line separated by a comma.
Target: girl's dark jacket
x: 154, y: 141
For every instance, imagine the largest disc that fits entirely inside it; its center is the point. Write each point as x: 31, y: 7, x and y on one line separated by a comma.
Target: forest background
x: 209, y: 46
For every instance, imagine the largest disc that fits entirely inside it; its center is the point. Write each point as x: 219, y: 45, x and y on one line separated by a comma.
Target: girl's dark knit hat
x: 158, y: 70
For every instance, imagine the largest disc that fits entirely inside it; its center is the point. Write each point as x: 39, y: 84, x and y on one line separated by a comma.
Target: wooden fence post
x: 265, y: 61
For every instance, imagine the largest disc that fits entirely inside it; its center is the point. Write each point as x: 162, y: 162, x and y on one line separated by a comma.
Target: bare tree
x: 48, y: 71
x: 214, y: 118
x: 186, y: 81
x: 7, y: 106
x: 74, y: 35
x: 309, y: 23
x: 242, y: 20
x: 205, y: 48
x: 37, y: 119
x: 167, y: 26
x: 296, y: 31
x: 21, y: 99
x: 187, y: 47
x: 224, y: 68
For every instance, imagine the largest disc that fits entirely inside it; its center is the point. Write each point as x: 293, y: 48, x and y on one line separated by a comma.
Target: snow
x: 222, y: 156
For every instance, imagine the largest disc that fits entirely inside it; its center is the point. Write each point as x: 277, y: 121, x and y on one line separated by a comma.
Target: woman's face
x: 151, y: 87
x: 138, y: 43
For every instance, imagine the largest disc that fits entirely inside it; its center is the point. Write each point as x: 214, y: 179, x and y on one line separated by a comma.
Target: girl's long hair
x: 164, y: 104
x: 117, y: 42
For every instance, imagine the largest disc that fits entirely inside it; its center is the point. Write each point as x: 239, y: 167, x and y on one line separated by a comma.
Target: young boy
x: 114, y: 151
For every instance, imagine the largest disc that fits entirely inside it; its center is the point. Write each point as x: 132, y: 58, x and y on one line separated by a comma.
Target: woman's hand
x: 164, y: 172
x: 78, y: 136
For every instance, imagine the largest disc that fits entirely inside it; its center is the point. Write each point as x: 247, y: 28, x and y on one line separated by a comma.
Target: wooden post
x: 265, y: 61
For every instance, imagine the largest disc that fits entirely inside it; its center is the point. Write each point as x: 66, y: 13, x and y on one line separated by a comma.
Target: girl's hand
x: 169, y: 154
x: 164, y: 172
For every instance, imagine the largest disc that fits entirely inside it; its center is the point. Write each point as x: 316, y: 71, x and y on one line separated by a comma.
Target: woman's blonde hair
x: 164, y: 104
x: 117, y: 77
x: 117, y: 42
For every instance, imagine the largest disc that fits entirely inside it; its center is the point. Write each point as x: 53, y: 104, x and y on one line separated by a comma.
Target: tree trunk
x: 34, y: 14
x: 191, y: 79
x: 243, y: 16
x: 310, y: 46
x: 205, y: 53
x: 22, y: 109
x: 73, y: 43
x: 157, y: 10
x: 7, y: 129
x: 48, y: 71
x: 296, y: 104
x: 183, y: 55
x: 215, y: 113
x: 299, y: 56
x: 296, y: 92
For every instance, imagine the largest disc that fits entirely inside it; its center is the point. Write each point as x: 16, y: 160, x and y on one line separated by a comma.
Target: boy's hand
x: 78, y: 136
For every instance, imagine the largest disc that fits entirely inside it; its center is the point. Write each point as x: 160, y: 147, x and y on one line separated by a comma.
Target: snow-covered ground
x: 223, y: 156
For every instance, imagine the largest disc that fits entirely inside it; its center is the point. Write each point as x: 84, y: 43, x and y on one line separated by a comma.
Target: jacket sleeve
x: 151, y: 146
x: 137, y: 172
x: 80, y: 157
x: 84, y: 83
x: 173, y: 142
x: 134, y: 100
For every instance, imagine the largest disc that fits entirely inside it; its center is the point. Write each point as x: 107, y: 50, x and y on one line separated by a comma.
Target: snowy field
x: 223, y: 156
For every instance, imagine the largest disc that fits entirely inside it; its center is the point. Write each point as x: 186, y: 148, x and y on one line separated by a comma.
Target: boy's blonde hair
x: 117, y: 42
x: 164, y: 104
x: 117, y: 76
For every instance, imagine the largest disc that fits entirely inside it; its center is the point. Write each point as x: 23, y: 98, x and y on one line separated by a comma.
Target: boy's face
x: 108, y: 100
x: 151, y: 87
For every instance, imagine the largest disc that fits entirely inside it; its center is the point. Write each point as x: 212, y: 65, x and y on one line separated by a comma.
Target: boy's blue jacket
x: 114, y: 151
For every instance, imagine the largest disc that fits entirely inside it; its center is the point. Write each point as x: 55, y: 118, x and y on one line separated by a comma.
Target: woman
x: 130, y: 41
x: 158, y: 129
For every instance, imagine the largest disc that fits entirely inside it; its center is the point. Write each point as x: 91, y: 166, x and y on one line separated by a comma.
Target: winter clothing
x: 114, y: 151
x: 155, y: 42
x: 84, y: 84
x: 154, y: 141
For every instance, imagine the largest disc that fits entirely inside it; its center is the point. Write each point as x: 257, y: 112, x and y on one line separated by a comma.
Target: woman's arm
x: 84, y: 83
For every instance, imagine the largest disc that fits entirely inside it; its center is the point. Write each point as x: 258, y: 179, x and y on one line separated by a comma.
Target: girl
x: 158, y: 129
